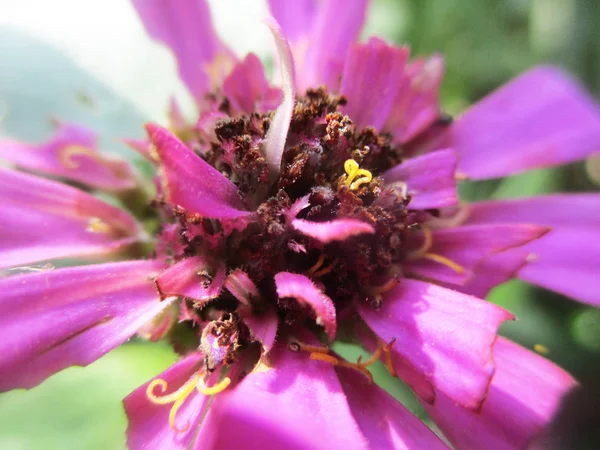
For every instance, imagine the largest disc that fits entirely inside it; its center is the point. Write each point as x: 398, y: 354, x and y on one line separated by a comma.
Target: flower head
x: 290, y: 217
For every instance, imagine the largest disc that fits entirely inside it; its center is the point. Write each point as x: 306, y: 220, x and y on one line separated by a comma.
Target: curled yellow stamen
x: 353, y: 171
x: 426, y: 246
x: 373, y: 359
x: 387, y: 286
x: 213, y: 390
x: 66, y: 156
x: 325, y: 270
x: 316, y: 266
x: 338, y: 362
x: 324, y: 357
x: 177, y: 398
x: 445, y: 261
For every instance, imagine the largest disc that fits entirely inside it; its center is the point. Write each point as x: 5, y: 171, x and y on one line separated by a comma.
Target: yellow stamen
x: 373, y: 359
x: 387, y: 286
x: 324, y: 357
x: 97, y: 225
x: 177, y: 397
x: 66, y: 156
x: 355, y: 366
x: 338, y: 362
x: 325, y: 270
x: 316, y: 266
x: 426, y: 246
x: 213, y: 390
x: 445, y: 261
x: 353, y: 171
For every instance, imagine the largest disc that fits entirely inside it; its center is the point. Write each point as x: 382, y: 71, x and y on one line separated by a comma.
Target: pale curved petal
x: 42, y: 220
x: 428, y: 179
x: 540, y: 119
x: 192, y: 183
x: 72, y: 316
x: 72, y: 153
x: 524, y: 396
x: 446, y: 336
x: 302, y: 289
x: 278, y: 129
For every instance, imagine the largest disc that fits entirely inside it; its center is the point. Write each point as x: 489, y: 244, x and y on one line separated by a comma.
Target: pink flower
x: 290, y: 217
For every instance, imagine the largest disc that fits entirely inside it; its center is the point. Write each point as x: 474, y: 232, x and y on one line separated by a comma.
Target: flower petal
x: 428, y: 179
x: 333, y: 230
x: 468, y: 246
x: 567, y: 259
x: 384, y: 421
x: 447, y: 336
x: 186, y: 27
x: 372, y: 67
x: 302, y: 289
x: 416, y: 104
x: 72, y: 153
x: 278, y: 130
x: 524, y: 395
x: 42, y: 219
x: 194, y: 278
x: 71, y: 316
x: 192, y: 183
x: 294, y: 404
x: 149, y: 427
x: 248, y: 90
x: 540, y: 119
x: 321, y: 34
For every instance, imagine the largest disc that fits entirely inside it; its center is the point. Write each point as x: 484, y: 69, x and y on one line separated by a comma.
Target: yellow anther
x: 445, y: 261
x: 177, y: 397
x: 97, y: 225
x: 66, y: 156
x: 353, y: 171
x: 387, y: 348
x: 213, y: 390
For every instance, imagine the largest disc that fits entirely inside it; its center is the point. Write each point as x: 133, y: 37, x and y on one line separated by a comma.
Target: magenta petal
x: 567, y: 259
x: 295, y: 404
x: 73, y: 154
x: 447, y: 336
x: 469, y: 245
x: 73, y: 316
x: 302, y: 289
x: 524, y: 395
x: 428, y: 179
x: 278, y: 130
x: 334, y: 230
x: 416, y: 104
x: 384, y: 421
x: 149, y: 423
x: 540, y: 119
x: 248, y: 90
x: 321, y: 34
x: 555, y: 210
x: 369, y: 68
x: 42, y: 219
x: 186, y: 27
x: 195, y: 278
x: 192, y: 183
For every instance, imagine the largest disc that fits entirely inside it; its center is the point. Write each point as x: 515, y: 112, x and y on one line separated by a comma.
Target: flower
x: 290, y: 217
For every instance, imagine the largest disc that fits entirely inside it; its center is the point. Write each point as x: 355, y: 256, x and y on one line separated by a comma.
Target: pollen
x: 97, y: 225
x: 355, y: 176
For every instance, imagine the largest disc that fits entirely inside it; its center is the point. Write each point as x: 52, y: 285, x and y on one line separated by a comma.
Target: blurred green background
x: 485, y: 42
